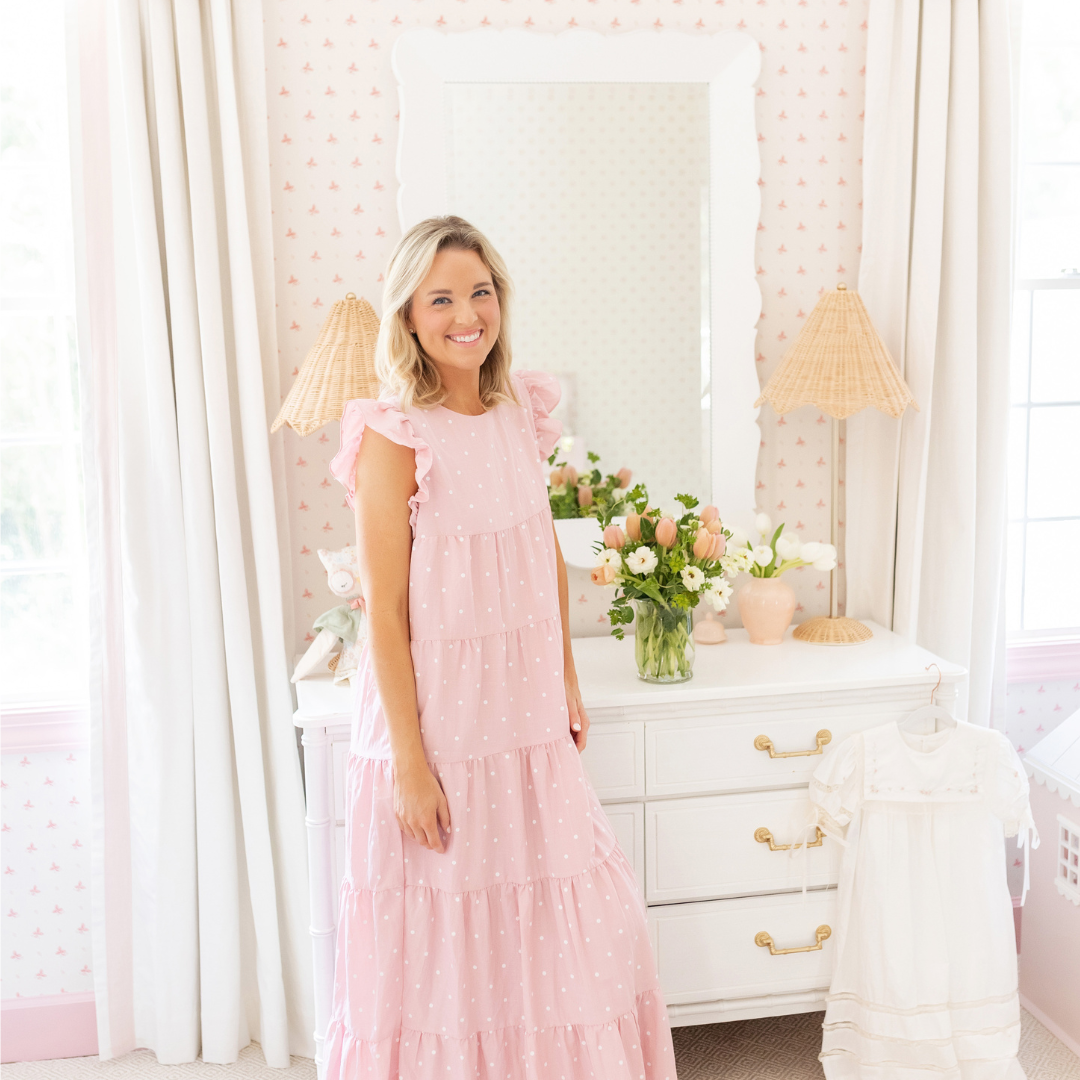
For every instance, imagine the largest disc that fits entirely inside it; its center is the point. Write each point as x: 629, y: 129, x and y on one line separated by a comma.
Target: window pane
x: 1050, y: 34
x: 1052, y: 586
x: 1053, y: 475
x: 1017, y: 461
x: 1021, y: 344
x: 1055, y: 345
x: 26, y: 261
x: 1050, y: 225
x: 35, y: 374
x: 42, y: 656
x: 33, y: 507
x: 1014, y: 578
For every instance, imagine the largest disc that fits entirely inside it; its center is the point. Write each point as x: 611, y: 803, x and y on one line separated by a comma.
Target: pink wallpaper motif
x: 333, y: 136
x: 45, y: 852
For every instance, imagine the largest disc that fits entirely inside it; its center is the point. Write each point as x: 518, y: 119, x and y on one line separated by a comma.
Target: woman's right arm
x: 385, y: 481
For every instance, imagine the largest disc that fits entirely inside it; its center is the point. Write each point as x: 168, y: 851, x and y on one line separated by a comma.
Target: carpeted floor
x: 779, y: 1048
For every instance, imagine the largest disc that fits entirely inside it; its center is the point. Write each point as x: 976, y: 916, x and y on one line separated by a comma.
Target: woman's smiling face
x: 455, y: 311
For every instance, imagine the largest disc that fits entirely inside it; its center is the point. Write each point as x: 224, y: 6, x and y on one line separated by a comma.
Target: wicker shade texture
x: 340, y: 366
x: 838, y: 363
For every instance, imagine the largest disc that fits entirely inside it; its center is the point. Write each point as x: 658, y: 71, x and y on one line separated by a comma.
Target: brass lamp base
x: 840, y: 631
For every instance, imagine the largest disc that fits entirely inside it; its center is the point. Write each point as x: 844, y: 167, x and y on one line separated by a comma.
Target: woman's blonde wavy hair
x: 401, y: 365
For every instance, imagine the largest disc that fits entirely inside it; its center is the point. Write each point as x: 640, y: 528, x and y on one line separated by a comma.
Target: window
x: 1067, y: 868
x: 43, y: 617
x: 1044, y: 435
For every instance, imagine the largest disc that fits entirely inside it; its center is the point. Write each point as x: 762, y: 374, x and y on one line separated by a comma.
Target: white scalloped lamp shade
x: 340, y: 366
x: 838, y: 363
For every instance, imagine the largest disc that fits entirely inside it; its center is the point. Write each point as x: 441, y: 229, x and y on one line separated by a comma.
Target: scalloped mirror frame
x: 424, y: 61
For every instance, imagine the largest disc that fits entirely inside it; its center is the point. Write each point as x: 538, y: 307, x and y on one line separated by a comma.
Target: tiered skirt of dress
x: 521, y: 951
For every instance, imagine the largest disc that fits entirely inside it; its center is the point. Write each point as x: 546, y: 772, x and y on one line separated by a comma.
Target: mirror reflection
x: 596, y: 194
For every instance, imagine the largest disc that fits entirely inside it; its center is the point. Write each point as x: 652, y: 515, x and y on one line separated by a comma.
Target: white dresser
x: 704, y: 783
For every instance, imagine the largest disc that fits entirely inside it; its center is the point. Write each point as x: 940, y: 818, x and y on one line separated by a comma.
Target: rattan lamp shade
x: 340, y: 366
x: 839, y: 364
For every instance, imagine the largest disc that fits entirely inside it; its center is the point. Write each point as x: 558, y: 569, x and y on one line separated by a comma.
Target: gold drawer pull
x: 822, y: 933
x: 763, y: 742
x: 763, y: 836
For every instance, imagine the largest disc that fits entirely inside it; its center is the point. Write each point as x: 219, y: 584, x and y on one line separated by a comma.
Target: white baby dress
x: 925, y: 978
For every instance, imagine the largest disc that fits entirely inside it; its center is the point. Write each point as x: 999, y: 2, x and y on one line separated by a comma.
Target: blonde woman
x: 490, y: 926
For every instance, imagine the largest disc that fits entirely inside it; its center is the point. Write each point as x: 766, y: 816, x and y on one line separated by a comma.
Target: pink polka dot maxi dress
x: 521, y: 951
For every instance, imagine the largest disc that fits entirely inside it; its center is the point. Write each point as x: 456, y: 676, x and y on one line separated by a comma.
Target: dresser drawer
x: 696, y: 756
x: 706, y: 847
x: 709, y: 951
x: 614, y: 758
x: 628, y: 824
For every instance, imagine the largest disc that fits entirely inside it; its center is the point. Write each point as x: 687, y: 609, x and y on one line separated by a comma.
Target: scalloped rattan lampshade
x: 838, y: 363
x: 340, y: 366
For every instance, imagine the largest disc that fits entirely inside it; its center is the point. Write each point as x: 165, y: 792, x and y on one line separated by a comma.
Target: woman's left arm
x: 579, y: 718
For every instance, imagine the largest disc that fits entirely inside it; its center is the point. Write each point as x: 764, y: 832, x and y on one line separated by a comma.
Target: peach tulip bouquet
x: 661, y: 566
x: 589, y: 494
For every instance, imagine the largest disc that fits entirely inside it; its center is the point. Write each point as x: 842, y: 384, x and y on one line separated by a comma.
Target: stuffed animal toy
x: 344, y: 625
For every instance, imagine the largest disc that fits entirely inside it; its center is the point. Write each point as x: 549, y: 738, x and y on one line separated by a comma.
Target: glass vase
x: 663, y: 643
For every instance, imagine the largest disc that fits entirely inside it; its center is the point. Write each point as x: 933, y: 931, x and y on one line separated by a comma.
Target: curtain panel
x: 925, y: 496
x: 199, y: 850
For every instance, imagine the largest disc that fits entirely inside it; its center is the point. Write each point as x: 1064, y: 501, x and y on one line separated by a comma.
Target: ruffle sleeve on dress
x: 1008, y: 792
x: 543, y: 395
x: 388, y: 420
x: 836, y: 788
x: 1008, y: 786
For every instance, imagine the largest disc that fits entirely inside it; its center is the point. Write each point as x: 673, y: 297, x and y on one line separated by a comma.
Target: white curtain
x: 925, y: 496
x: 200, y: 924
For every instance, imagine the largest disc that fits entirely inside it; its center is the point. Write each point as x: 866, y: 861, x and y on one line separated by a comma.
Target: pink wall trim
x: 1018, y: 913
x: 42, y: 1028
x: 24, y: 731
x: 1038, y: 660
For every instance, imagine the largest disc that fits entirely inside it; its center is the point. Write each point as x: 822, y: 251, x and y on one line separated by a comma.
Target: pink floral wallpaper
x: 45, y: 853
x: 333, y: 135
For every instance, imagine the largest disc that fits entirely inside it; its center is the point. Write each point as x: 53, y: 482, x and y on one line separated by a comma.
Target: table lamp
x: 839, y: 364
x: 340, y: 366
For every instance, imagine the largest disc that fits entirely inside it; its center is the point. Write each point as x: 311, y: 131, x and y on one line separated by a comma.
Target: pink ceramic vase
x: 766, y: 606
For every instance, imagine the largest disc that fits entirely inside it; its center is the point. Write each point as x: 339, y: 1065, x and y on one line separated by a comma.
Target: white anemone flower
x: 693, y: 577
x: 718, y: 592
x: 788, y: 547
x: 609, y: 557
x: 763, y: 524
x: 641, y: 561
x: 763, y: 554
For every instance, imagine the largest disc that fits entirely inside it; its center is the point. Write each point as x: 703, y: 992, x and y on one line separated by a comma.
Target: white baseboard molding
x: 1050, y: 1025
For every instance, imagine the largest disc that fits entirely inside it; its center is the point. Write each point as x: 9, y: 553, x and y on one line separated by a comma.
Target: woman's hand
x: 579, y: 718
x: 420, y: 805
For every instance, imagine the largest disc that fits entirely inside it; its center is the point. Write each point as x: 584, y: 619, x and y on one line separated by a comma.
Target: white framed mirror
x: 617, y: 175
